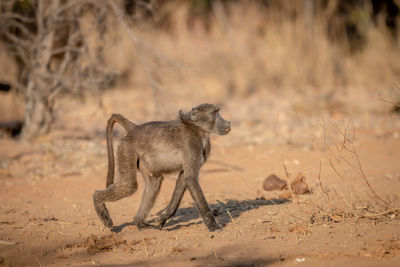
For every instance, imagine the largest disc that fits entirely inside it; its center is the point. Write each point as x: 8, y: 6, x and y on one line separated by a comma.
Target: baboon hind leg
x: 152, y: 188
x: 180, y: 188
x: 125, y: 186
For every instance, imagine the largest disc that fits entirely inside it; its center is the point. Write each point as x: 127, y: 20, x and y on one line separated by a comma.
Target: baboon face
x: 206, y: 116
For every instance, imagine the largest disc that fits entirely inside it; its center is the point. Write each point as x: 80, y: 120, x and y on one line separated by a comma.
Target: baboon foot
x: 107, y: 221
x: 211, y: 224
x: 140, y: 224
x: 105, y: 217
x: 213, y: 227
x: 160, y: 223
x: 103, y: 214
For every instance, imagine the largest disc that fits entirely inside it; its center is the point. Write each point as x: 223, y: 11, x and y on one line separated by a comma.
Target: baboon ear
x: 194, y: 114
x: 182, y: 115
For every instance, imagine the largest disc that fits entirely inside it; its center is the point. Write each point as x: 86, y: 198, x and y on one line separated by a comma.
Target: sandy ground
x: 47, y: 216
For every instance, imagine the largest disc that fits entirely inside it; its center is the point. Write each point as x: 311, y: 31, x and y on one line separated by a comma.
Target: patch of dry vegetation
x: 246, y: 49
x: 361, y: 200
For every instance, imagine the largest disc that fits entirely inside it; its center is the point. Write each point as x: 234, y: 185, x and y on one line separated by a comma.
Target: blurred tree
x: 390, y: 10
x: 54, y: 53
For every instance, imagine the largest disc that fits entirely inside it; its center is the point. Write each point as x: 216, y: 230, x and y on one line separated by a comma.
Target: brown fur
x: 156, y: 148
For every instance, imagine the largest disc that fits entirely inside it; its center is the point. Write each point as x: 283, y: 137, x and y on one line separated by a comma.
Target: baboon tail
x: 128, y: 125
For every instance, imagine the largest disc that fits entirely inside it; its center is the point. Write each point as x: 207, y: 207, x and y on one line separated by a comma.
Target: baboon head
x: 206, y: 116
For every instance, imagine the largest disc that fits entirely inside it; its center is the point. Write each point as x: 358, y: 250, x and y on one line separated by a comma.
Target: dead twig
x: 388, y: 101
x: 319, y: 180
x: 230, y: 215
x: 376, y: 215
x: 345, y: 152
x: 36, y: 258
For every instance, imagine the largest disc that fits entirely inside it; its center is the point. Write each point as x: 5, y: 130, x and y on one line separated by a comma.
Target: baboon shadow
x: 224, y: 213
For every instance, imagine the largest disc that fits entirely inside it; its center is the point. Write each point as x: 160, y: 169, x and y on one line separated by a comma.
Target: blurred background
x: 65, y: 66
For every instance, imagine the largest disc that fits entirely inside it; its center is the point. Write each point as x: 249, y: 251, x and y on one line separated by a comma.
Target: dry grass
x: 361, y: 199
x: 246, y: 50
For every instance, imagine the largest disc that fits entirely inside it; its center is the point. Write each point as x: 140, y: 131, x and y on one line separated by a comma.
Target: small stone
x: 273, y: 182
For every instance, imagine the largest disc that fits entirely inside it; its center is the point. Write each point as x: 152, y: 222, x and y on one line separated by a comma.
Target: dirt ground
x: 47, y: 216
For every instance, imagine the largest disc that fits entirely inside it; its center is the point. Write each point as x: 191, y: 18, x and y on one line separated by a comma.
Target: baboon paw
x: 160, y: 224
x: 212, y: 227
x: 104, y: 216
x: 107, y: 222
x: 106, y: 219
x: 141, y: 224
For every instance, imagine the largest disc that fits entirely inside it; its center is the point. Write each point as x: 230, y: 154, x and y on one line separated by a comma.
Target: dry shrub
x: 245, y: 52
x: 350, y: 194
x: 244, y: 49
x: 260, y: 64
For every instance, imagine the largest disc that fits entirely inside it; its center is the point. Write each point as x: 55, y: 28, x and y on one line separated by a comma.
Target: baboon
x: 157, y: 148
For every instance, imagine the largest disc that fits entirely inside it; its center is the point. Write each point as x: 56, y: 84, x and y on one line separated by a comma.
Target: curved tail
x: 128, y: 125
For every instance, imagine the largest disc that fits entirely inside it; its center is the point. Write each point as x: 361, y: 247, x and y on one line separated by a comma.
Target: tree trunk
x: 38, y: 113
x: 38, y: 110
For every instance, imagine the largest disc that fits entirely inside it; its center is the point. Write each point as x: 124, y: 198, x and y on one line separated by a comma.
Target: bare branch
x: 10, y: 15
x: 397, y: 85
x: 286, y: 171
x: 387, y: 101
x: 349, y: 146
x: 17, y: 41
x: 20, y: 26
x: 119, y: 15
x: 70, y: 4
x: 55, y: 86
x: 367, y: 182
x: 319, y: 179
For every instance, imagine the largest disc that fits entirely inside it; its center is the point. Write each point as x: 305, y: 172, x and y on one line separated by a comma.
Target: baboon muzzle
x: 223, y: 126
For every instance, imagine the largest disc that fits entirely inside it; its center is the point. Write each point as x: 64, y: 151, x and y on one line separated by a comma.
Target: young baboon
x: 156, y: 148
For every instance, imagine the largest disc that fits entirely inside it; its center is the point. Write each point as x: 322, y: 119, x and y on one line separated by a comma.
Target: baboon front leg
x: 152, y: 188
x: 201, y: 203
x: 125, y: 186
x: 173, y: 205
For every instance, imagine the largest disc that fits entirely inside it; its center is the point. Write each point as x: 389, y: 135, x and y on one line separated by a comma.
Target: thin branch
x: 17, y: 86
x: 55, y: 87
x: 387, y: 101
x: 65, y: 49
x: 10, y: 15
x: 367, y: 182
x: 68, y: 5
x: 319, y: 179
x: 17, y: 41
x: 119, y: 15
x: 21, y: 27
x: 397, y: 85
x: 336, y: 171
x: 39, y: 16
x: 373, y: 215
x: 286, y: 171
